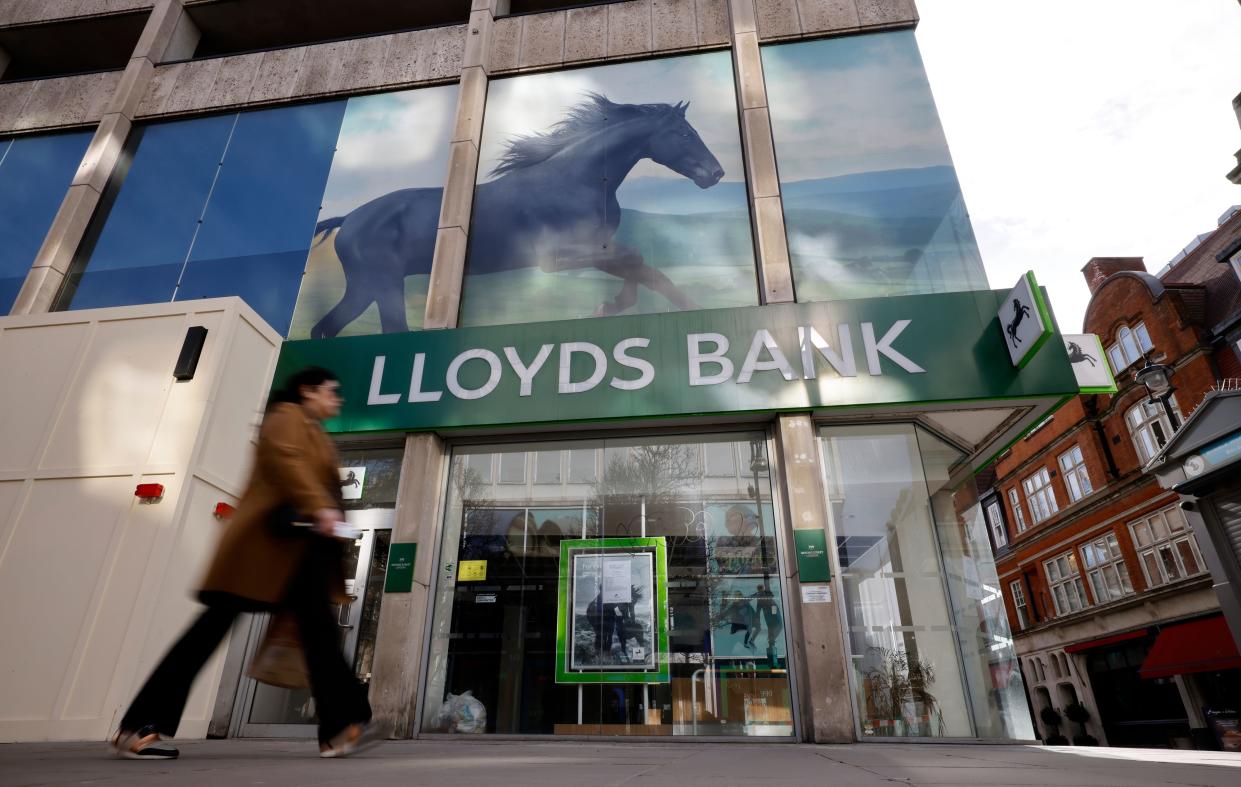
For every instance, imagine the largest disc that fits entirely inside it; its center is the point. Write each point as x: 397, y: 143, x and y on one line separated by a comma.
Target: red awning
x: 1104, y: 641
x: 1203, y: 645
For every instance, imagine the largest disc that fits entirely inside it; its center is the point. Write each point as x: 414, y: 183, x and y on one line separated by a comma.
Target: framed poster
x: 612, y: 612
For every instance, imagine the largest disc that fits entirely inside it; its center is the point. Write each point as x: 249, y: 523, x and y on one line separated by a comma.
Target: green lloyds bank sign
x: 788, y: 357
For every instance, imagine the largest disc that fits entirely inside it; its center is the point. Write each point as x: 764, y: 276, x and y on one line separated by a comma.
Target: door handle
x: 342, y: 617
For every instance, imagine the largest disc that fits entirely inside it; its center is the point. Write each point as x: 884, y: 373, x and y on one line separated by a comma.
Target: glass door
x: 369, y: 479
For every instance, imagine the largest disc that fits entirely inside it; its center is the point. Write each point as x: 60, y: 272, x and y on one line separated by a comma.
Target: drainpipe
x: 1091, y: 406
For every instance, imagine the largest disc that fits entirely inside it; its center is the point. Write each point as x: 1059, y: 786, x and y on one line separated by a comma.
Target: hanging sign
x: 1025, y: 319
x: 1089, y: 363
x: 784, y: 357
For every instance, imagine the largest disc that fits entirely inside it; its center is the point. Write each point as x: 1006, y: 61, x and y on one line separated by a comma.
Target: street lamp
x: 1157, y: 379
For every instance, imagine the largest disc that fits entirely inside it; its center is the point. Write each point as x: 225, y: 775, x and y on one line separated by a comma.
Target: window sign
x: 613, y: 619
x: 352, y: 482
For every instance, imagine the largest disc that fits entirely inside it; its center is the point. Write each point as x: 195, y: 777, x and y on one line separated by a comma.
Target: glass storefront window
x: 929, y: 644
x: 613, y: 189
x: 35, y: 173
x: 872, y: 206
x: 523, y: 642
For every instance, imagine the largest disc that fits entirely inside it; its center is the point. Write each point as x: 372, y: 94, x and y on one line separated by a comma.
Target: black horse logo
x: 1077, y: 355
x: 1022, y: 312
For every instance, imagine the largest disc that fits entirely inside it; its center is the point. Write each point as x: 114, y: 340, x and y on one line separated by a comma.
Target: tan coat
x: 295, y: 464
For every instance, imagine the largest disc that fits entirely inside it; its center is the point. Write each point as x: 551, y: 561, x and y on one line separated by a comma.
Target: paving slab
x: 236, y: 763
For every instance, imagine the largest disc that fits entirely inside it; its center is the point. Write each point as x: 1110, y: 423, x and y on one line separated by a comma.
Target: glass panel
x: 1144, y: 338
x: 35, y: 173
x: 1123, y: 570
x: 141, y: 235
x: 720, y: 460
x: 513, y: 467
x: 1158, y: 527
x: 1131, y: 347
x: 368, y: 626
x: 1142, y: 533
x: 612, y: 189
x: 369, y: 477
x: 477, y: 468
x: 1113, y: 583
x: 260, y: 219
x: 1153, y: 574
x: 1168, y: 559
x: 582, y: 466
x: 1188, y: 559
x: 547, y: 467
x: 906, y: 666
x: 1175, y: 518
x: 1117, y: 358
x: 494, y: 630
x: 871, y: 200
x: 380, y: 208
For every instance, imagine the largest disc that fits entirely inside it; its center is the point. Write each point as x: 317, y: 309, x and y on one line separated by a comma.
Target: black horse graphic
x: 1022, y: 311
x: 1076, y: 355
x: 553, y: 205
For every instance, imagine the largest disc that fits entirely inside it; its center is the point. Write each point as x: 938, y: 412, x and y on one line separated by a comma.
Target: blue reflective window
x: 147, y: 223
x: 35, y: 173
x: 258, y: 225
x: 215, y: 206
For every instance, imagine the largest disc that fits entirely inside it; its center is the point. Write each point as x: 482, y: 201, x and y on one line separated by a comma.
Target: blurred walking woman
x: 265, y: 563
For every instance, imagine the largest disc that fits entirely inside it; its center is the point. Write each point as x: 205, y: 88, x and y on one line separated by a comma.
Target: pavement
x: 233, y: 763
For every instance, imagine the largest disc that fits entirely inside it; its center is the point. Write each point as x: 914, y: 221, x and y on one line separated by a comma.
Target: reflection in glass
x: 139, y: 239
x: 615, y: 189
x: 257, y: 227
x: 928, y: 639
x: 494, y: 627
x: 35, y: 173
x: 872, y: 206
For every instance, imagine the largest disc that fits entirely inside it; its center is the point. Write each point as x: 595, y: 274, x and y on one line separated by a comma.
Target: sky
x: 1086, y: 128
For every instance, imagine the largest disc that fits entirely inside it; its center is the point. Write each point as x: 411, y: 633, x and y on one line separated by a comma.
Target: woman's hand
x: 325, y: 521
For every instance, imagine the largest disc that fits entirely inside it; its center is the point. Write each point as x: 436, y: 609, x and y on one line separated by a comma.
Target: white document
x: 617, y: 580
x: 816, y: 594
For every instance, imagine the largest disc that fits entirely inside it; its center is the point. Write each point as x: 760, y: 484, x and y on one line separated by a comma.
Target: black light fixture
x: 1156, y: 378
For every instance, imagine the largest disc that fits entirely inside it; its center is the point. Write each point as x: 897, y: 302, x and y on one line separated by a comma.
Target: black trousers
x: 340, y: 699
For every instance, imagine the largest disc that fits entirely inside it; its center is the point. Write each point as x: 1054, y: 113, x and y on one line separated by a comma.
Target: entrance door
x: 264, y: 711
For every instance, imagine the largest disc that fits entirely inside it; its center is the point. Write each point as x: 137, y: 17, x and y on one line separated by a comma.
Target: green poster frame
x: 657, y: 547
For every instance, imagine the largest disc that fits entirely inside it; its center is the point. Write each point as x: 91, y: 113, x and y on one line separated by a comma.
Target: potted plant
x: 1051, y: 720
x: 1077, y: 713
x: 899, y: 696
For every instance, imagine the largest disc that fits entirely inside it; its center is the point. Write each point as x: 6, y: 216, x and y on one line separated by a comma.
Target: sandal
x: 354, y: 739
x: 145, y: 744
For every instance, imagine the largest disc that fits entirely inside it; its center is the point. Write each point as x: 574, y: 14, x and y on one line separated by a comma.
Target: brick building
x: 1105, y: 585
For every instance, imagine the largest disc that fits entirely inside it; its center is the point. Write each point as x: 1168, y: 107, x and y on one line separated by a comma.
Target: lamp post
x: 1157, y: 379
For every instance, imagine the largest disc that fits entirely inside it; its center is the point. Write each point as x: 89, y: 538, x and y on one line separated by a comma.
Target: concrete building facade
x: 623, y: 305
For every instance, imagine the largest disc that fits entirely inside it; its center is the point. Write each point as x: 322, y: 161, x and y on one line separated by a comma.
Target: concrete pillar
x: 819, y: 646
x: 767, y: 214
x: 448, y: 262
x: 395, y: 695
x: 169, y: 34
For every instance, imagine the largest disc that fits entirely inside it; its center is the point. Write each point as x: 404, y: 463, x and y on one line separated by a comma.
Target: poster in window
x: 615, y: 189
x: 747, y: 619
x: 612, y: 625
x: 370, y: 260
